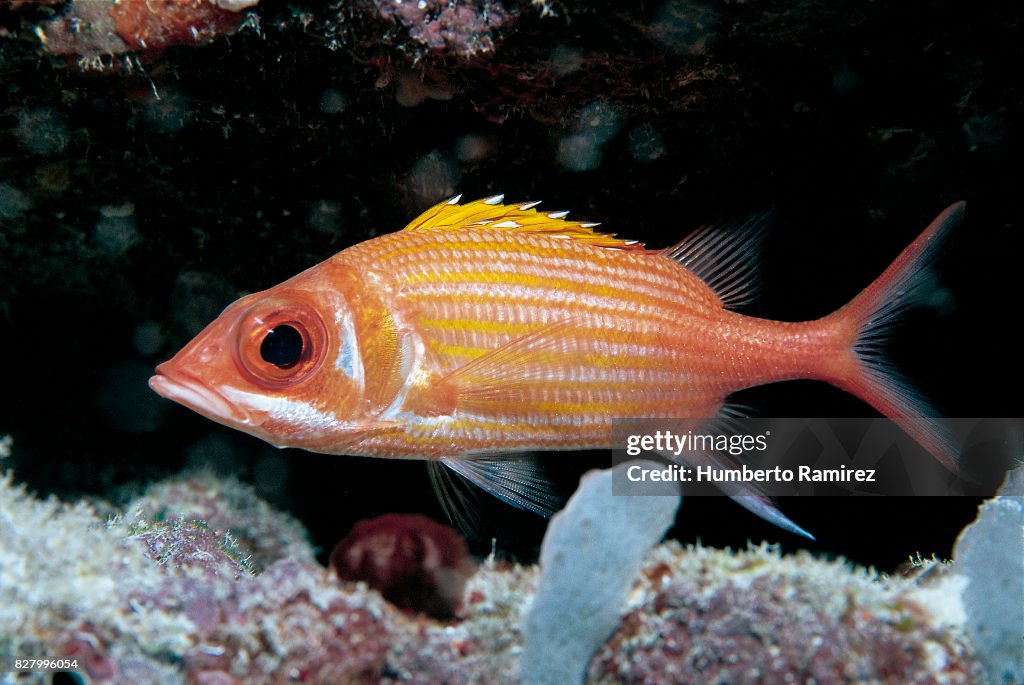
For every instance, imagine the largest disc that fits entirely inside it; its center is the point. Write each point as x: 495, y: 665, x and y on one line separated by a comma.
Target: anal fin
x: 747, y: 495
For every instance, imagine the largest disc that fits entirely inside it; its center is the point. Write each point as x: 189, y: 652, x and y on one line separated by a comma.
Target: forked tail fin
x: 866, y: 321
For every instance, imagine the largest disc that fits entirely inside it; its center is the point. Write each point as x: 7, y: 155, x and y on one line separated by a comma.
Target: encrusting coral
x: 61, y: 570
x: 136, y: 601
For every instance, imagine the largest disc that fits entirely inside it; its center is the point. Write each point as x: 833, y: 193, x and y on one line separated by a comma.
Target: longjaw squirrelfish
x: 485, y: 329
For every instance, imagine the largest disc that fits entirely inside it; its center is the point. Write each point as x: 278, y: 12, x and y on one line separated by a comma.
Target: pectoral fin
x: 513, y: 372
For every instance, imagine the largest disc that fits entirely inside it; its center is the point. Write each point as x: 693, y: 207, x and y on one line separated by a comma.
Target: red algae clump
x: 415, y: 563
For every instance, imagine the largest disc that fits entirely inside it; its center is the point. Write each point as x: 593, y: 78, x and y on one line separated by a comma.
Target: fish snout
x: 200, y: 397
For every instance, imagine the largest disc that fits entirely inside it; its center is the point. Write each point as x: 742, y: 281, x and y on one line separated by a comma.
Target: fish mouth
x: 198, y: 397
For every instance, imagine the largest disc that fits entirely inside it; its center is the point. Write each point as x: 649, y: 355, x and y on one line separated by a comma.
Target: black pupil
x: 282, y: 347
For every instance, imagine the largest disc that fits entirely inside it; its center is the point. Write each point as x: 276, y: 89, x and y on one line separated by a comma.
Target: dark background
x: 252, y: 158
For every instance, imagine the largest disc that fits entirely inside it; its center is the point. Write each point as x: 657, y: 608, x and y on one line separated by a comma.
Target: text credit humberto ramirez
x: 666, y: 442
x: 807, y: 456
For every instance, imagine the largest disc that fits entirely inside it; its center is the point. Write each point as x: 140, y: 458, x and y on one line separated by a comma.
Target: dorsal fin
x: 492, y: 213
x: 725, y: 258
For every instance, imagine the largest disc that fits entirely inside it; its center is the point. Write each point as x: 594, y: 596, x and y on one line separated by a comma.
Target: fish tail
x: 863, y: 325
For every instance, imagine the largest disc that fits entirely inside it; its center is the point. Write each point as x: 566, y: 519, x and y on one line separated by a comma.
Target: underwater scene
x: 496, y: 341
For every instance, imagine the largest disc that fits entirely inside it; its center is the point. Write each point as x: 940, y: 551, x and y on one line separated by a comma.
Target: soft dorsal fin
x: 725, y: 258
x: 492, y: 213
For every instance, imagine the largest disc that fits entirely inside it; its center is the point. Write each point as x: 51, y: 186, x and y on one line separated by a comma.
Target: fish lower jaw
x: 199, y: 398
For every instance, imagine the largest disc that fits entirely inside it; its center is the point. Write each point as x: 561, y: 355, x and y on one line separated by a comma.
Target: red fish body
x: 487, y: 328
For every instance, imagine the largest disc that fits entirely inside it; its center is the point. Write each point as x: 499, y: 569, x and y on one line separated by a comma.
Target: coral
x: 72, y: 586
x: 290, y: 620
x: 60, y: 566
x: 147, y: 25
x: 704, y: 615
x: 483, y: 647
x: 191, y: 547
x: 296, y: 619
x: 86, y: 30
x: 128, y: 619
x: 229, y: 505
x: 93, y: 29
x: 592, y: 552
x: 414, y: 562
x: 459, y: 28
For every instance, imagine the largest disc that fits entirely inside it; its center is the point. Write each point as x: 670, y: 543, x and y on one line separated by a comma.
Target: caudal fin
x: 867, y: 320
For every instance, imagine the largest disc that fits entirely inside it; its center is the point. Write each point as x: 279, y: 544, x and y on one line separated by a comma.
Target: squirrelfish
x: 485, y: 329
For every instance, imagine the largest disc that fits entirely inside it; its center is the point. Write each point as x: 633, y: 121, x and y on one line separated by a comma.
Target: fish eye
x: 280, y: 341
x: 282, y: 347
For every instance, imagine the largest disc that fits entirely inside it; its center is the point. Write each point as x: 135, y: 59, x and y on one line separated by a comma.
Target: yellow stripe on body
x: 518, y: 433
x: 446, y: 252
x: 562, y: 282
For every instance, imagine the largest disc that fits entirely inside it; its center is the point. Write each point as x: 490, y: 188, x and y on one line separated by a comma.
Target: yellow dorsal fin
x: 492, y: 213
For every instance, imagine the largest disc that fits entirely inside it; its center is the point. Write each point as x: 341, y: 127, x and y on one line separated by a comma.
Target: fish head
x: 271, y: 365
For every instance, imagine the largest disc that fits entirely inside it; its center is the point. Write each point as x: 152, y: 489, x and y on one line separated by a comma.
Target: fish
x: 485, y: 330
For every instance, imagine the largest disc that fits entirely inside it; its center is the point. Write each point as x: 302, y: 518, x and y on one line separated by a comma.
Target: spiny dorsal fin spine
x: 490, y: 212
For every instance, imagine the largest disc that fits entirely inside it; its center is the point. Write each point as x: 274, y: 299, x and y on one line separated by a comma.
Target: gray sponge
x: 592, y: 553
x: 990, y: 553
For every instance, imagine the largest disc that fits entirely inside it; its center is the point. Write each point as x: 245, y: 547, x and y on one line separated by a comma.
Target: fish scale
x: 642, y: 323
